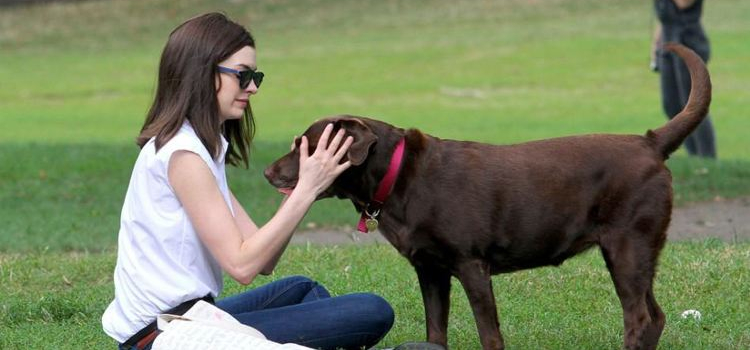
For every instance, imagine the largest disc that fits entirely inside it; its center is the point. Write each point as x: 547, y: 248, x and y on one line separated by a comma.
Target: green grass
x: 77, y: 78
x: 54, y: 300
x: 75, y: 91
x: 492, y: 71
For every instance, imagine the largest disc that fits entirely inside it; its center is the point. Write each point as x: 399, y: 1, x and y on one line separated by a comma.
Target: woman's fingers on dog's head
x: 323, y: 141
x: 334, y: 146
x: 343, y: 149
x: 342, y: 167
x: 303, y: 152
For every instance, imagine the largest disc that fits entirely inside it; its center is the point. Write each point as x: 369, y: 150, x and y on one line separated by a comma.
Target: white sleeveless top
x: 161, y: 262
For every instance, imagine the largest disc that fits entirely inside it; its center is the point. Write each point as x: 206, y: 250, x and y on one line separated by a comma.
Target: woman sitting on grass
x: 181, y: 226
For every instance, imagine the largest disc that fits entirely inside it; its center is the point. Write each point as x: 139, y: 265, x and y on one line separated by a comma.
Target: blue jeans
x: 299, y: 310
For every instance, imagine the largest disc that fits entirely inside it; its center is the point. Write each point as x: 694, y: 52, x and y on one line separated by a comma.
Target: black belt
x: 147, y: 332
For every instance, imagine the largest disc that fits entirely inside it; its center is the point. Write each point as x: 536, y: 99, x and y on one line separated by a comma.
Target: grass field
x: 54, y: 300
x: 77, y: 78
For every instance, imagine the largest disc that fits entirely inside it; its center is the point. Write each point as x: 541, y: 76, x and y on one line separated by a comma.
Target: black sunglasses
x: 245, y: 76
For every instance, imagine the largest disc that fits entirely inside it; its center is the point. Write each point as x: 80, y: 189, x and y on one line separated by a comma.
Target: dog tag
x: 372, y: 224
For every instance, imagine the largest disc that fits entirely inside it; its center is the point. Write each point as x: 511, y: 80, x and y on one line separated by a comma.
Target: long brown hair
x: 186, y: 88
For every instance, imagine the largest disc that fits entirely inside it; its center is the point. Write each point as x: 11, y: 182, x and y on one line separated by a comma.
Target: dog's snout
x: 268, y: 173
x: 278, y: 176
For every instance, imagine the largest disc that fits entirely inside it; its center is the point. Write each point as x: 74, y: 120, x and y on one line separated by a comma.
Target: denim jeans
x: 299, y: 310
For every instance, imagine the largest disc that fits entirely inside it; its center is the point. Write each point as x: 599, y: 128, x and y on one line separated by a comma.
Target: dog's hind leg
x: 631, y: 259
x: 476, y: 280
x: 435, y: 284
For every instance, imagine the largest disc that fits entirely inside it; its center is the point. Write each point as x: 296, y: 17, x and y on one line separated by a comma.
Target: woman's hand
x: 317, y: 171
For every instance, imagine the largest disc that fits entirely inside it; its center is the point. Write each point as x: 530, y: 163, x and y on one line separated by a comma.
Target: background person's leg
x: 675, y: 84
x: 705, y: 139
x: 702, y: 138
x: 673, y: 95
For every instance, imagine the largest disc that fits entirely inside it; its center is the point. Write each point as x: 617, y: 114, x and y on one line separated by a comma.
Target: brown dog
x: 472, y: 210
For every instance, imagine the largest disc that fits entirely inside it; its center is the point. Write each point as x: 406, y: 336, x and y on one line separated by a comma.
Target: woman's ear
x: 363, y: 136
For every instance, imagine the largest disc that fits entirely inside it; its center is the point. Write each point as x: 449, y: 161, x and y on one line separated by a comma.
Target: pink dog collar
x: 384, y: 188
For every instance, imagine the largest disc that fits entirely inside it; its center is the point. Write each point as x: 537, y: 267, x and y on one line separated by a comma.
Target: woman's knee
x: 296, y: 279
x: 311, y: 289
x: 376, y: 310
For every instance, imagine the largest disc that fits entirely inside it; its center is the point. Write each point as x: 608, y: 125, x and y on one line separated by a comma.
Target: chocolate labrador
x: 472, y: 210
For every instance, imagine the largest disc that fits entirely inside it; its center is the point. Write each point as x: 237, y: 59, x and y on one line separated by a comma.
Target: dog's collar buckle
x: 373, y: 215
x: 369, y: 220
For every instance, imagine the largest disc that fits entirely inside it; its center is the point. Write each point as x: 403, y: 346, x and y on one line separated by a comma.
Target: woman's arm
x: 243, y: 257
x: 248, y: 228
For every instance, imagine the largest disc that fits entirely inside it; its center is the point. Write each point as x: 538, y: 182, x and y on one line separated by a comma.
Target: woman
x: 181, y: 225
x: 679, y: 21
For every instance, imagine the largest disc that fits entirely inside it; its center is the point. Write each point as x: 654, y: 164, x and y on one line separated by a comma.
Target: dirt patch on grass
x: 724, y: 219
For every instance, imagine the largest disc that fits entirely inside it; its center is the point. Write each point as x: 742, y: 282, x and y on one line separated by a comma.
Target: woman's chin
x: 234, y: 116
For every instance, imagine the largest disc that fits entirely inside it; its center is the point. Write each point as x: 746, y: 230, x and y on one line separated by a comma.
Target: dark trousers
x: 298, y: 310
x: 675, y: 89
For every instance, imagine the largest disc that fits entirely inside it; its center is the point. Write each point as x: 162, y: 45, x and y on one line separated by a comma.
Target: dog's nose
x: 268, y: 173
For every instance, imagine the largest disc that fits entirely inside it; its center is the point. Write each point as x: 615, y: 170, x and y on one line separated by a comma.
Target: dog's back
x: 539, y: 202
x: 524, y: 205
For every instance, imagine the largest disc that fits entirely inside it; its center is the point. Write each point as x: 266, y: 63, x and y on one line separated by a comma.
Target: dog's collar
x: 372, y: 210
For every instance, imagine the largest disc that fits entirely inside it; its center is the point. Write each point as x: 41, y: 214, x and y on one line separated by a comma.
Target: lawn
x: 75, y: 86
x: 51, y: 300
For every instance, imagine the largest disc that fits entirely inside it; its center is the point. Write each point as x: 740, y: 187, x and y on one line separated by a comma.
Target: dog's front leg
x: 476, y: 280
x: 435, y: 284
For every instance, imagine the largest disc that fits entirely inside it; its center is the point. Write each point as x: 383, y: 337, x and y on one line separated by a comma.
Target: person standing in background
x: 679, y: 21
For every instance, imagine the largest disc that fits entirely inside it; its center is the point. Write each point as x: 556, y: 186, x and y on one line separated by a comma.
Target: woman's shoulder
x: 184, y: 140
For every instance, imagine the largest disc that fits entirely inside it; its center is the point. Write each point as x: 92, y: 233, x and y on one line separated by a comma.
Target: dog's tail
x: 669, y: 137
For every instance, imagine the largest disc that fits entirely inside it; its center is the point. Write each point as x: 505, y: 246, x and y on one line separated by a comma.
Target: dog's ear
x: 363, y: 138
